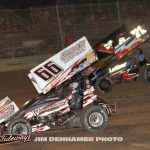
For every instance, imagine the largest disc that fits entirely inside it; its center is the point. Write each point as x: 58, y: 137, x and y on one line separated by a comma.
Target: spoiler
x: 62, y: 66
x: 121, y: 42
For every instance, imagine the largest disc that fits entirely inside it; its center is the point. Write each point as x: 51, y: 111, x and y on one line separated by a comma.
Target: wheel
x: 19, y: 126
x: 94, y: 118
x: 104, y: 84
x: 147, y: 74
x: 135, y: 79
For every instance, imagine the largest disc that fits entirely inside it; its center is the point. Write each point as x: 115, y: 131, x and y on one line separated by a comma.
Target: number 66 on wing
x: 62, y: 66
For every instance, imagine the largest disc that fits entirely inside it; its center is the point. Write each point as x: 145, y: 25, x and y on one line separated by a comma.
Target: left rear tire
x: 147, y: 74
x: 19, y: 126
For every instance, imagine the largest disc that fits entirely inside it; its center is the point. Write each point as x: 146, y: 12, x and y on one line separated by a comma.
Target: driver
x: 77, y: 88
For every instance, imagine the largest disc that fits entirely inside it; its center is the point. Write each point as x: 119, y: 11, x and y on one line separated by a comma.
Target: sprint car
x: 130, y: 60
x: 66, y: 98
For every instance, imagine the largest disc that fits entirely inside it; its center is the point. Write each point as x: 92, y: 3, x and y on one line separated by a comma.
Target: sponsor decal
x: 117, y: 67
x: 81, y: 66
x: 6, y: 112
x: 49, y: 107
x: 71, y: 53
x: 91, y: 56
x: 13, y: 138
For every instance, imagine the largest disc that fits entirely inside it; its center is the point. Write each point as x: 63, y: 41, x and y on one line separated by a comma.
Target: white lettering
x: 40, y: 139
x: 138, y: 31
x: 108, y: 44
x: 117, y: 67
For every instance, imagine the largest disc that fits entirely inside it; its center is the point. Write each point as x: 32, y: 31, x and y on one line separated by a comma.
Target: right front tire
x: 94, y: 118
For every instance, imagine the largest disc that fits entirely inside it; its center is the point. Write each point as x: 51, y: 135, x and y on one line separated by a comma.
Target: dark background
x: 13, y: 4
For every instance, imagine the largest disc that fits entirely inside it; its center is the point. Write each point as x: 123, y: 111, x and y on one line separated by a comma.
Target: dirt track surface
x: 132, y: 120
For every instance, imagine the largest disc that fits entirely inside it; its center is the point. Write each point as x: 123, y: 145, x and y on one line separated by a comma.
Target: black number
x: 48, y: 71
x: 53, y: 68
x: 44, y: 74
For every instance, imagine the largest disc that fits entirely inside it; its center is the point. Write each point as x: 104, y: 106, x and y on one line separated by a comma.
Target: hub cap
x: 95, y: 119
x: 20, y: 128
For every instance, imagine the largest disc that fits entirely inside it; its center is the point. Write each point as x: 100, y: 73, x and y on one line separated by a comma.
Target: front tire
x: 19, y: 126
x: 104, y: 85
x: 94, y: 118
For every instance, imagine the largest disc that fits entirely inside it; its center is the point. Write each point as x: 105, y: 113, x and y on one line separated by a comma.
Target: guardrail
x: 21, y: 63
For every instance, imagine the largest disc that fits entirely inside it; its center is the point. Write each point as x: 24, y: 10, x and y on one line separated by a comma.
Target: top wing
x: 121, y: 42
x: 62, y: 66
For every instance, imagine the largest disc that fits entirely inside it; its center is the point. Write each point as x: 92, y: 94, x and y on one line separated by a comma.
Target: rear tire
x: 104, y: 84
x: 147, y: 74
x: 19, y: 126
x: 94, y: 118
